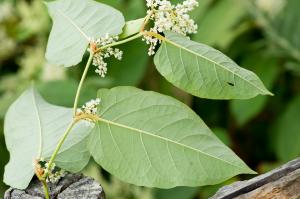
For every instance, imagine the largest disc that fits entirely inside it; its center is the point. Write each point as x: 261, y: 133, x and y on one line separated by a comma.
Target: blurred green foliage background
x: 261, y: 35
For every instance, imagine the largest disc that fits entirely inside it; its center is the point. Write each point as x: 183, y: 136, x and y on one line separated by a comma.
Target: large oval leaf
x: 204, y: 71
x: 74, y: 22
x: 149, y: 139
x: 32, y: 129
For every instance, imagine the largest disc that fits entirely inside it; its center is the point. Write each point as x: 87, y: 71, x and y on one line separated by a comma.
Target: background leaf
x: 285, y: 29
x: 66, y: 90
x: 204, y: 71
x: 267, y: 68
x: 32, y: 126
x: 223, y: 33
x: 70, y: 34
x: 288, y: 132
x: 176, y: 193
x: 132, y: 27
x: 159, y: 138
x: 222, y: 134
x: 131, y: 9
x: 129, y: 71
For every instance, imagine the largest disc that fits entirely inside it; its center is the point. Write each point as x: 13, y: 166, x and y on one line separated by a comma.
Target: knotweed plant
x: 142, y: 137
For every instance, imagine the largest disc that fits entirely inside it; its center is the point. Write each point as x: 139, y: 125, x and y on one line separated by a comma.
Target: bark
x: 280, y: 183
x: 72, y: 186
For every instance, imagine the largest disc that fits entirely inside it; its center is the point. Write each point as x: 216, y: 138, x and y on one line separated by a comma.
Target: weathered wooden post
x: 280, y: 183
x: 72, y: 186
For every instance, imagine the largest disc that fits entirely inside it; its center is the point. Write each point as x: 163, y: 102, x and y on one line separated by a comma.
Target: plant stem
x: 147, y: 18
x: 65, y: 135
x: 156, y: 35
x: 76, y: 119
x: 46, y: 190
x: 82, y: 80
x: 121, y: 42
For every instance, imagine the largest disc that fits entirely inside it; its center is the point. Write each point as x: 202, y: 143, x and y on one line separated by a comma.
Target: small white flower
x: 168, y: 17
x: 89, y: 107
x: 55, y: 176
x: 98, y: 59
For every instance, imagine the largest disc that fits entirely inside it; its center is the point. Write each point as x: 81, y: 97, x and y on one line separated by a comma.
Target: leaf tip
x: 252, y: 172
x: 249, y: 171
x: 267, y: 92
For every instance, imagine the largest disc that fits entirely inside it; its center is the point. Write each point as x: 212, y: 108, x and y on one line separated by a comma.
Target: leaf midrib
x: 40, y: 125
x: 74, y: 24
x: 163, y: 138
x: 199, y: 55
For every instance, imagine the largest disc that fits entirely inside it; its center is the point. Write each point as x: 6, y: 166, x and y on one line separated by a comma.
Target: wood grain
x: 280, y: 183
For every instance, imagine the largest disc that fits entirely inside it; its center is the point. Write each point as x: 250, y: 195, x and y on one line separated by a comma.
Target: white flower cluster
x: 98, y: 59
x: 54, y: 173
x: 152, y: 41
x: 89, y: 107
x: 168, y: 17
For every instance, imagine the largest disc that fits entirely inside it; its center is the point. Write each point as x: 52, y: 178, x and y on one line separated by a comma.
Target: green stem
x: 61, y: 143
x: 156, y: 35
x: 121, y: 42
x: 81, y: 81
x: 46, y: 190
x: 147, y: 18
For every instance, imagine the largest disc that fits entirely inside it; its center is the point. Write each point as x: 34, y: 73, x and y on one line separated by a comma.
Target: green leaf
x: 267, y: 68
x: 132, y: 27
x: 66, y: 90
x: 74, y: 22
x: 199, y: 12
x: 203, y: 71
x: 131, y: 9
x: 223, y: 135
x: 284, y: 30
x: 287, y: 131
x: 32, y: 129
x: 75, y: 158
x: 129, y: 71
x: 176, y: 193
x: 149, y: 139
x: 223, y: 33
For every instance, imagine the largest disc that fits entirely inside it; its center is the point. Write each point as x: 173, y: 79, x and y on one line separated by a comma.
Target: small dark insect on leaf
x: 230, y: 84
